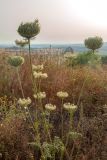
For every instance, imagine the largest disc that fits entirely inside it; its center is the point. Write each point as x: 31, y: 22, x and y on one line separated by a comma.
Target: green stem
x: 62, y: 120
x: 81, y: 115
x: 62, y: 152
x: 70, y: 128
x: 19, y: 79
x: 20, y: 83
x: 82, y: 89
x: 47, y: 129
x: 30, y: 58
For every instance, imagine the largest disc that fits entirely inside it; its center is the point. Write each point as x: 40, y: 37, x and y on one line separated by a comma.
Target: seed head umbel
x: 24, y: 102
x: 69, y: 106
x: 37, y: 68
x: 38, y: 75
x: 40, y: 95
x: 50, y: 107
x: 62, y: 94
x: 16, y: 61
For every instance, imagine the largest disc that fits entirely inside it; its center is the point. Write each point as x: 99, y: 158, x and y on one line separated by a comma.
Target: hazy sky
x: 62, y: 21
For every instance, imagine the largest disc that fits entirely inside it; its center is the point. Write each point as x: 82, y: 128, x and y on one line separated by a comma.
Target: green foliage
x: 58, y: 144
x: 93, y: 43
x: 16, y: 61
x: 51, y: 149
x: 75, y: 135
x: 86, y: 58
x: 29, y: 30
x: 48, y: 150
x: 104, y: 59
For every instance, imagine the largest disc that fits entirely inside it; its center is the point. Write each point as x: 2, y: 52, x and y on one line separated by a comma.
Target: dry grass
x: 86, y: 86
x: 60, y: 77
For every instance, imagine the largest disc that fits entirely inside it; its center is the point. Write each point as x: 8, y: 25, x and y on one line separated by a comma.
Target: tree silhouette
x: 93, y: 43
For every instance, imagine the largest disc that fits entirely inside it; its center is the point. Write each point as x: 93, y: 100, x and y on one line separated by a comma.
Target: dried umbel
x: 16, y: 61
x: 29, y: 30
x: 40, y: 95
x: 70, y: 107
x: 24, y: 102
x: 37, y: 68
x: 50, y: 107
x: 62, y: 94
x: 21, y: 43
x: 38, y: 75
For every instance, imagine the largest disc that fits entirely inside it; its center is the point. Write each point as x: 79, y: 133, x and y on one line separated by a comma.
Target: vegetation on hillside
x: 52, y: 107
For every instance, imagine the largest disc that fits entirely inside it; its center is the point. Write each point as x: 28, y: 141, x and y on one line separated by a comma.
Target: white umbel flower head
x: 24, y: 102
x: 69, y: 106
x: 40, y: 95
x: 50, y: 107
x: 62, y: 94
x: 38, y: 75
x: 44, y: 75
x: 37, y: 67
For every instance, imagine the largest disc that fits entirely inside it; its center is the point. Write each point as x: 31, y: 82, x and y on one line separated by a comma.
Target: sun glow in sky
x: 62, y: 21
x: 93, y: 12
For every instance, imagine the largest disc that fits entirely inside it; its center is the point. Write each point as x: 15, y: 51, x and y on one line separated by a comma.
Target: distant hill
x: 75, y: 47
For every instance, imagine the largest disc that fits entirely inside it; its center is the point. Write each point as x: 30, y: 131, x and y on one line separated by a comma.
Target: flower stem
x: 20, y: 83
x: 62, y: 120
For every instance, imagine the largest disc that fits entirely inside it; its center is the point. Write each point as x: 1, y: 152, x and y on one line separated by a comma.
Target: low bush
x: 104, y: 59
x: 85, y: 58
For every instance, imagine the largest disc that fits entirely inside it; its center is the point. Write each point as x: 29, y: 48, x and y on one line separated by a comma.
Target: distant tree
x: 93, y: 43
x: 21, y: 43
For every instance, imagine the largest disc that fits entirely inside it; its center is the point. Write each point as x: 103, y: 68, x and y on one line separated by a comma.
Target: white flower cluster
x: 50, y: 107
x: 40, y: 75
x: 37, y: 67
x: 24, y: 102
x: 69, y: 106
x: 37, y: 72
x: 62, y: 94
x: 40, y: 95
